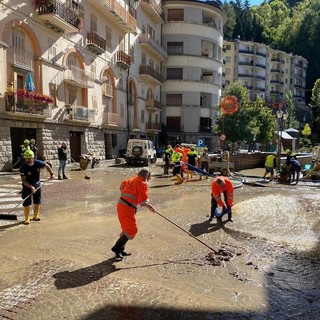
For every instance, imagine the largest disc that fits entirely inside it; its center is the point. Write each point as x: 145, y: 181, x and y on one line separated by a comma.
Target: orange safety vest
x: 216, y: 192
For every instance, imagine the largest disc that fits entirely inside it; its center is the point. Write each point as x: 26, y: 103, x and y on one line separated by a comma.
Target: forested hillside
x: 289, y: 25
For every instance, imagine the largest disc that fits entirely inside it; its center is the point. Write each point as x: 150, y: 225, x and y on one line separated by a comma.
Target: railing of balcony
x: 246, y: 51
x: 23, y: 105
x: 22, y: 59
x: 96, y: 39
x: 145, y: 38
x: 56, y: 7
x: 156, y: 7
x: 153, y: 125
x: 82, y: 113
x: 78, y: 75
x: 122, y: 57
x: 152, y: 103
x: 151, y: 72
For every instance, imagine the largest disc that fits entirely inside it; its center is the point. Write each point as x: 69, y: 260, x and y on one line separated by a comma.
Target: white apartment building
x: 96, y: 70
x: 265, y: 72
x: 193, y: 37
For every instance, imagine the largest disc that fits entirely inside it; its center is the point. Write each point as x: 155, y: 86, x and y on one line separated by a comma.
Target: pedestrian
x: 193, y: 161
x: 63, y: 156
x: 22, y: 149
x: 134, y: 192
x: 290, y: 155
x: 31, y: 185
x: 221, y: 186
x: 294, y: 170
x: 34, y: 148
x: 167, y: 158
x: 269, y: 165
x: 204, y: 161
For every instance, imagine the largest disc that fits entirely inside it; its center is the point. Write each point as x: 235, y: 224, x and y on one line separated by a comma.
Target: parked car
x: 140, y: 151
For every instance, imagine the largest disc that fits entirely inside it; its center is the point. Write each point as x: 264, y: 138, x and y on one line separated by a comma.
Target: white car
x: 140, y: 151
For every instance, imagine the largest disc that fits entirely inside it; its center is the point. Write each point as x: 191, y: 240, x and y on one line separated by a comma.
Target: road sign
x: 200, y: 143
x: 223, y: 137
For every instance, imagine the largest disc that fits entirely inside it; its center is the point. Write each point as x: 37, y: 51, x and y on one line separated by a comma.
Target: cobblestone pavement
x: 62, y: 266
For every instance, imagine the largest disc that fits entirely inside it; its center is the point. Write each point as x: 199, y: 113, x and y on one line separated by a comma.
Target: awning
x: 285, y: 135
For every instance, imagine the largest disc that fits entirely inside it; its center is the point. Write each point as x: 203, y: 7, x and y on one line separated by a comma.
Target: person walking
x: 193, y: 161
x: 31, y: 185
x: 167, y: 158
x: 134, y: 192
x: 270, y: 164
x: 34, y: 148
x: 221, y: 186
x: 204, y: 161
x: 62, y: 155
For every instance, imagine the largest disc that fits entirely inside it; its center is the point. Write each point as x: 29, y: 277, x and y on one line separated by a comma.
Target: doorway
x: 75, y: 145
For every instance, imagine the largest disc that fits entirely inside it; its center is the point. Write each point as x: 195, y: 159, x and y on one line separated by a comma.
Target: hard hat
x: 26, y: 141
x: 205, y: 149
x: 169, y: 146
x: 288, y: 151
x: 192, y: 148
x: 32, y: 141
x: 28, y: 154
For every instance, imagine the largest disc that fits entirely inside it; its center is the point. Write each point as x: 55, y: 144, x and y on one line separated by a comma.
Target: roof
x: 291, y: 130
x: 285, y: 135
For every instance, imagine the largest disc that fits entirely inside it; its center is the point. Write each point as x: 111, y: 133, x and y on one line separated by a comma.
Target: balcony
x: 96, y: 43
x: 118, y: 15
x: 77, y: 77
x: 58, y: 16
x: 245, y: 75
x: 21, y: 59
x: 150, y: 75
x: 153, y: 9
x: 154, y: 105
x: 246, y: 51
x: 153, y: 126
x: 152, y: 46
x: 21, y: 105
x: 107, y: 90
x: 80, y: 113
x: 123, y: 60
x: 110, y: 119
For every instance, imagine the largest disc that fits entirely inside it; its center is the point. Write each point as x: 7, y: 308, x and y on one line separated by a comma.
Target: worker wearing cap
x: 22, y: 149
x: 290, y: 155
x: 270, y: 164
x: 31, y: 185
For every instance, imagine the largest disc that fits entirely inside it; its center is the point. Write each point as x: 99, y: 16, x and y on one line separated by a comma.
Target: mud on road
x: 265, y: 265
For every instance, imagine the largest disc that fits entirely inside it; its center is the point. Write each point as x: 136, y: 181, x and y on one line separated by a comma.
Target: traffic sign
x: 223, y: 137
x: 200, y: 143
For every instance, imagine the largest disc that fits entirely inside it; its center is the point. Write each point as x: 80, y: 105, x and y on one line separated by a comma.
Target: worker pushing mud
x: 134, y: 192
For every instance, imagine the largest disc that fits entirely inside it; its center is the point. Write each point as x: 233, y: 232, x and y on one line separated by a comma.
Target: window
x: 93, y: 23
x: 151, y: 32
x: 143, y: 59
x: 174, y: 73
x: 108, y: 37
x: 174, y: 99
x: 175, y: 47
x: 228, y: 70
x: 173, y: 124
x: 205, y: 124
x: 228, y: 59
x: 175, y: 15
x: 114, y: 140
x: 142, y: 116
x: 52, y: 49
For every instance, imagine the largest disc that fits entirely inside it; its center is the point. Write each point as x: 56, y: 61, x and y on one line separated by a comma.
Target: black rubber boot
x: 117, y: 248
x: 65, y: 177
x: 230, y: 217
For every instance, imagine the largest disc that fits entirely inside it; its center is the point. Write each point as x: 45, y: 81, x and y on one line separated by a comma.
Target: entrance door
x: 18, y: 135
x: 75, y: 145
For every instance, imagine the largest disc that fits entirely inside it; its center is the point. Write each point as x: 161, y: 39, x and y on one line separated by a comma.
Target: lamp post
x: 281, y: 116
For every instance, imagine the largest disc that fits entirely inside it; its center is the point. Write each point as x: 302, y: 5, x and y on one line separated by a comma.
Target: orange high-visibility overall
x: 134, y: 191
x: 228, y: 190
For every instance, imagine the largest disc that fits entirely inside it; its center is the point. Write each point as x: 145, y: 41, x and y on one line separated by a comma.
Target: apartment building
x: 84, y: 72
x: 265, y: 72
x: 193, y: 37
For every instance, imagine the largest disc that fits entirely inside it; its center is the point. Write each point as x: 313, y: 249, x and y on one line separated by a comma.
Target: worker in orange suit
x: 134, y: 192
x: 221, y: 186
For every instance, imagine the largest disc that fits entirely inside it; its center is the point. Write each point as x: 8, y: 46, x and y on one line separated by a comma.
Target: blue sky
x: 253, y: 2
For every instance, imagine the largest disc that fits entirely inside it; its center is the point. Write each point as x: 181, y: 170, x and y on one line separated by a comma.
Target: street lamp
x: 281, y: 116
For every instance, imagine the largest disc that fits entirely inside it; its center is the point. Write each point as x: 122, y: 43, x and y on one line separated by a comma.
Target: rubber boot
x: 119, y: 247
x: 36, y: 212
x: 26, y: 215
x: 179, y: 179
x: 59, y: 177
x: 230, y: 217
x: 65, y: 177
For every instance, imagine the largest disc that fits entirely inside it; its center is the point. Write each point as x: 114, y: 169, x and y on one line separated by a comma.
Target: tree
x: 315, y: 105
x: 291, y: 121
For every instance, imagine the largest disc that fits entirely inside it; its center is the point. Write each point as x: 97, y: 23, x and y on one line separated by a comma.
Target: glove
x: 226, y: 210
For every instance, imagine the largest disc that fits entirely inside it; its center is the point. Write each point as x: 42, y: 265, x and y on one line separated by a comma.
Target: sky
x: 253, y: 2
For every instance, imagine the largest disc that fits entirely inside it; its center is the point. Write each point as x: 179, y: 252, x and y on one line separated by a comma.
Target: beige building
x: 193, y: 37
x: 95, y: 69
x: 265, y: 72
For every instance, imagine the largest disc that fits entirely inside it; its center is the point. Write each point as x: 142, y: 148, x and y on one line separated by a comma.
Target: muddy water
x: 274, y: 272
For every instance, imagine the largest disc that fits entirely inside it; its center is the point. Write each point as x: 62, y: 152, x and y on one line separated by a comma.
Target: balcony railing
x: 96, y: 43
x: 154, y: 104
x: 153, y: 9
x: 153, y: 126
x: 148, y: 72
x: 109, y: 118
x: 153, y: 46
x: 78, y: 77
x: 123, y: 60
x: 81, y: 113
x: 59, y: 16
x: 22, y: 105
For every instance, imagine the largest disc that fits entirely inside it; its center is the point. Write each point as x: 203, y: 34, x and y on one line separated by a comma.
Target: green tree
x: 315, y: 105
x: 291, y: 121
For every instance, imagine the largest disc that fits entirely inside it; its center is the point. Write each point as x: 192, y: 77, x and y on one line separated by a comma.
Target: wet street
x: 264, y: 265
